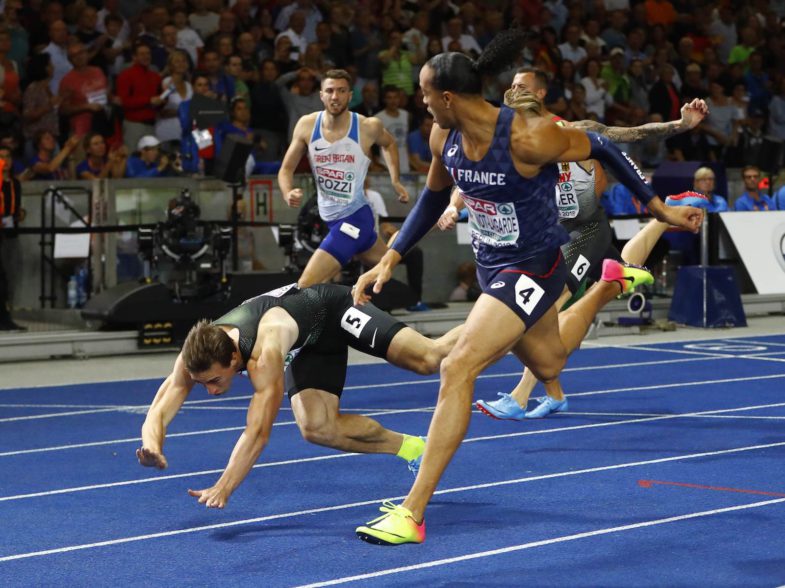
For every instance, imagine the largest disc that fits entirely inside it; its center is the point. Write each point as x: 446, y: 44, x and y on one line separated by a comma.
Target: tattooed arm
x: 691, y: 116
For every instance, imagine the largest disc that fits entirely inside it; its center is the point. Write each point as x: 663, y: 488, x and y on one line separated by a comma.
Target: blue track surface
x: 669, y: 470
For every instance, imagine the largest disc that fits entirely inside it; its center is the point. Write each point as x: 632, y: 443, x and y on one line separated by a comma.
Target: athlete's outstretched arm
x: 570, y: 144
x: 421, y: 219
x: 168, y: 400
x: 692, y: 114
x: 297, y: 148
x: 266, y: 375
x: 391, y: 157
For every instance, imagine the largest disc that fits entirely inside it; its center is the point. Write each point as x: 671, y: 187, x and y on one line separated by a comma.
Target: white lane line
x: 61, y: 405
x: 650, y: 414
x: 702, y: 414
x: 304, y: 460
x: 189, y: 434
x: 169, y: 477
x: 541, y: 543
x: 571, y: 473
x: 143, y: 408
x: 765, y: 343
x: 228, y: 429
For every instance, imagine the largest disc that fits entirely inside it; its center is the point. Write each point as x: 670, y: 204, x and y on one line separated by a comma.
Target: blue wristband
x: 604, y: 151
x: 421, y: 219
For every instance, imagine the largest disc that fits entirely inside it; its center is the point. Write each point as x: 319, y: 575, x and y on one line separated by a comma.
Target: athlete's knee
x: 458, y: 367
x: 319, y: 431
x: 428, y: 363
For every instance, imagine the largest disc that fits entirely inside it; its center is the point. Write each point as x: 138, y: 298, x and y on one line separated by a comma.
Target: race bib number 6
x: 527, y: 294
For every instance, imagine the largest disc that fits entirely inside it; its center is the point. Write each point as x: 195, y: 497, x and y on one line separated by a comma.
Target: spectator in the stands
x: 97, y: 163
x: 571, y: 49
x: 20, y: 39
x: 415, y: 39
x: 266, y: 98
x: 332, y: 53
x: 398, y: 64
x: 370, y: 100
x: 723, y: 29
x: 613, y: 34
x: 176, y: 90
x: 58, y: 51
x: 283, y: 56
x: 751, y: 145
x: 295, y: 35
x: 693, y: 86
x: 202, y: 20
x: 455, y: 32
x: 94, y: 41
x: 11, y: 214
x: 10, y: 83
x: 777, y: 113
x: 597, y: 96
x: 138, y: 88
x: 314, y: 58
x: 419, y: 148
x: 220, y: 83
x: 233, y: 66
x: 310, y: 14
x: 752, y: 198
x: 187, y: 38
x: 720, y: 126
x: 148, y: 162
x: 227, y: 26
x: 747, y: 44
x: 84, y: 93
x: 39, y: 111
x: 396, y: 121
x: 366, y: 42
x: 303, y: 97
x: 703, y: 181
x: 247, y: 50
x: 757, y: 82
x: 48, y: 163
x: 112, y: 7
x: 238, y: 126
x: 116, y: 47
x: 196, y: 157
x: 664, y: 97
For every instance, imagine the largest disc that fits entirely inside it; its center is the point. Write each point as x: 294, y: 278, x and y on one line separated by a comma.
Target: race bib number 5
x: 354, y: 321
x: 527, y: 294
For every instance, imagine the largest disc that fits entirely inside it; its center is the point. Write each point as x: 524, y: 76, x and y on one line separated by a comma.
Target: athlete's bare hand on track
x: 151, y: 459
x: 215, y: 497
x: 378, y: 275
x: 693, y: 113
x: 294, y: 198
x: 401, y: 191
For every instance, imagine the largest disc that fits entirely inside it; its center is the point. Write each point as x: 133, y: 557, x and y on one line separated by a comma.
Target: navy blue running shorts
x: 529, y: 288
x: 350, y: 235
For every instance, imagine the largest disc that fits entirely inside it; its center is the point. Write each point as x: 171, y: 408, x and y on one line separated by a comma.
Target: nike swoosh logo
x: 319, y: 148
x: 373, y: 339
x: 628, y: 278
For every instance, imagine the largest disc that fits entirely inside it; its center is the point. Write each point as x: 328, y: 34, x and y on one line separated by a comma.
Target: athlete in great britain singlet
x: 337, y: 143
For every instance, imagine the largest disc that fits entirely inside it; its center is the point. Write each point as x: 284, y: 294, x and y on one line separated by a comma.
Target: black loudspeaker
x: 230, y: 162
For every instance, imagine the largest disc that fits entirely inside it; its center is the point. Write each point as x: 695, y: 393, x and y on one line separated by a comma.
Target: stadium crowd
x: 92, y: 89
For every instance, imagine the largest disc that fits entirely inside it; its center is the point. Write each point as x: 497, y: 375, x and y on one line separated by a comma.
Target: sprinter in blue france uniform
x: 517, y: 239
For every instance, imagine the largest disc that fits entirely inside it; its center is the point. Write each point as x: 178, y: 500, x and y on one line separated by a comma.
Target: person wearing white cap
x: 147, y: 163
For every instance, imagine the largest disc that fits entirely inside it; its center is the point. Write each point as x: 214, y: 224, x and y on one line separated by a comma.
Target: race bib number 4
x: 492, y: 223
x: 528, y: 294
x: 354, y: 321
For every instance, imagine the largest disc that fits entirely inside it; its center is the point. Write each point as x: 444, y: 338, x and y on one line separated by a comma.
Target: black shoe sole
x: 375, y: 540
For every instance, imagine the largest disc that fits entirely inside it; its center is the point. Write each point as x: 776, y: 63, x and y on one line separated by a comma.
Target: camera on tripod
x: 191, y: 249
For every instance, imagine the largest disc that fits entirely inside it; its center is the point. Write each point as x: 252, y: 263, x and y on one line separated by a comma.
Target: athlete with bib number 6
x: 517, y: 240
